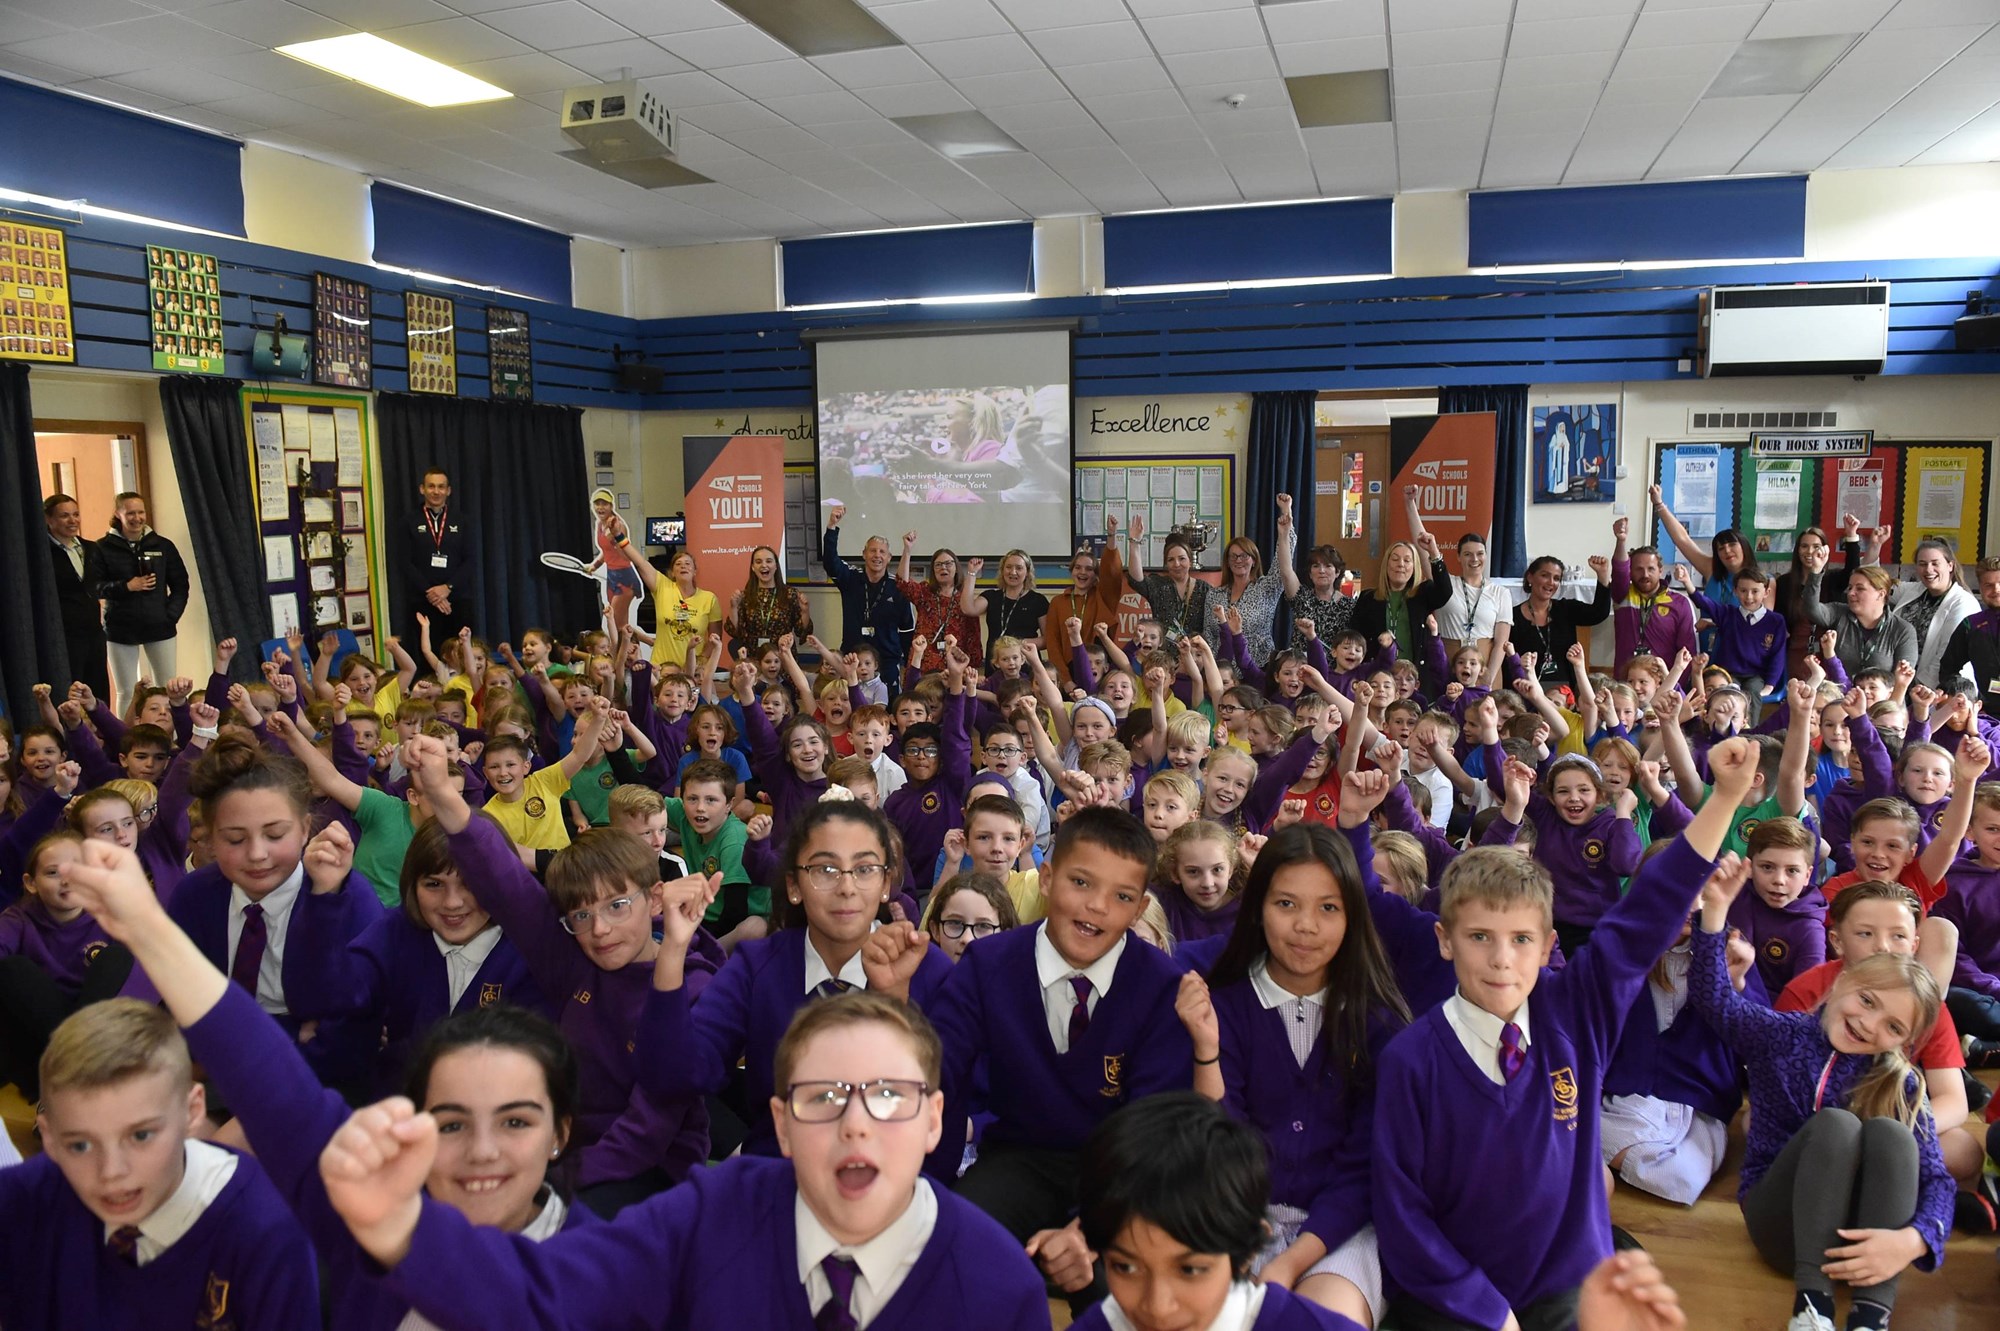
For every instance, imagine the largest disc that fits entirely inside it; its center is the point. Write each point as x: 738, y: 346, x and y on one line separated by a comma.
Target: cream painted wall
x: 81, y: 395
x: 298, y: 203
x: 740, y: 277
x: 600, y: 277
x: 1430, y: 234
x: 1903, y: 212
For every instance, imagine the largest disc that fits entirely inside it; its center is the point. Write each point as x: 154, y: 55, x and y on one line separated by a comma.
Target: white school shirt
x: 818, y: 974
x: 205, y: 1172
x: 884, y: 1261
x: 1442, y: 794
x: 1303, y: 1016
x: 462, y: 961
x: 277, y: 904
x: 1239, y: 1310
x: 889, y: 776
x: 1479, y: 1032
x: 1053, y: 974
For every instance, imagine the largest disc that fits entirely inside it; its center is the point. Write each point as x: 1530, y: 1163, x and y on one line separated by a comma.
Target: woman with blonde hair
x: 1013, y: 609
x: 1866, y: 636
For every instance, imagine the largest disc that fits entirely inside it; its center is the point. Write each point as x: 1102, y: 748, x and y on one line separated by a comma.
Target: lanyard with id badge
x: 437, y: 527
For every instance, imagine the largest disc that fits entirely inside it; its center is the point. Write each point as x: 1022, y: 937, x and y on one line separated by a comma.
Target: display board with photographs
x: 34, y: 295
x: 433, y: 343
x: 186, y: 298
x: 343, y: 332
x: 311, y: 455
x: 509, y: 361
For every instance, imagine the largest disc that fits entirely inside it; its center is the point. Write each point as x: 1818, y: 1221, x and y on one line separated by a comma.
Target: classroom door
x: 1351, y: 493
x: 93, y: 468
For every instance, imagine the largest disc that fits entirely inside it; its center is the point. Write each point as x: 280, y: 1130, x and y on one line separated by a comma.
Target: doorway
x: 1350, y: 488
x: 93, y: 462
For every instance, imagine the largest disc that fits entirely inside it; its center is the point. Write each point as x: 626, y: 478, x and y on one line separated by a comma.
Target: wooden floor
x: 1725, y: 1287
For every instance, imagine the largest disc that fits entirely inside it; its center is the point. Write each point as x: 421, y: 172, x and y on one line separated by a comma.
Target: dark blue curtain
x: 32, y: 650
x: 1508, y: 543
x: 1281, y: 462
x: 205, y: 432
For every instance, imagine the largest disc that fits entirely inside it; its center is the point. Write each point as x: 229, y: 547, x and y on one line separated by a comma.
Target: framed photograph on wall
x: 35, y: 319
x: 433, y: 343
x: 509, y: 358
x: 184, y: 291
x: 350, y: 510
x: 1576, y: 453
x: 357, y: 612
x: 343, y: 332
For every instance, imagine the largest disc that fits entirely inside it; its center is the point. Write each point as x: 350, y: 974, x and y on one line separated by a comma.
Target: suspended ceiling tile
x: 943, y: 20
x: 883, y: 68
x: 976, y: 57
x: 643, y: 58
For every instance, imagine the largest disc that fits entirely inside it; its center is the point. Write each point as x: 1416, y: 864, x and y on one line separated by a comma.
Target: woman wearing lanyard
x: 936, y: 602
x: 1476, y: 604
x: 1179, y: 599
x: 1866, y: 635
x: 1546, y: 626
x: 681, y: 611
x: 1251, y: 592
x: 1096, y: 587
x: 766, y: 609
x: 1014, y: 609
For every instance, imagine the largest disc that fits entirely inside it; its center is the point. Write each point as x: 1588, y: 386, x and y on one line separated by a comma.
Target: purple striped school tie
x: 124, y: 1244
x: 837, y: 1313
x: 1512, y: 1057
x: 1079, y: 1016
x: 250, y: 948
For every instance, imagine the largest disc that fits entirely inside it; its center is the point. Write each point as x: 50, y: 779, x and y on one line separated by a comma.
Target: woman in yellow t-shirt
x: 682, y: 611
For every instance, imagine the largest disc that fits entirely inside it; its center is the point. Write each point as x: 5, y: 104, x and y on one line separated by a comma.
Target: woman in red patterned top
x: 936, y: 602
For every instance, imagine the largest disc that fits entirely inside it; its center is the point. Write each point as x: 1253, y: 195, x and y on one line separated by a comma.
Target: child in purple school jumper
x: 500, y: 1077
x: 126, y: 1220
x: 1783, y: 917
x: 588, y: 942
x: 1288, y: 1034
x: 790, y: 763
x: 838, y: 874
x: 928, y: 804
x: 1842, y: 1178
x: 1072, y: 1017
x: 846, y: 1231
x: 1475, y: 1236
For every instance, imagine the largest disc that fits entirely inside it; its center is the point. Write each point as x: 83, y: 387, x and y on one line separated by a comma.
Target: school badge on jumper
x: 489, y: 994
x: 930, y: 802
x: 90, y: 952
x: 1593, y: 851
x: 536, y: 806
x: 1114, y: 1068
x: 1562, y: 1085
x: 215, y: 1316
x: 580, y: 996
x: 1777, y: 949
x: 606, y: 781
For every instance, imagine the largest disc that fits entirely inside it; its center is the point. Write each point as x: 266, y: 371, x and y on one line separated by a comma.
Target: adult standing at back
x: 1477, y: 604
x: 1251, y: 592
x: 80, y: 586
x: 1866, y: 635
x: 1411, y: 586
x: 439, y: 562
x: 872, y: 607
x: 1096, y: 588
x: 147, y: 592
x: 1933, y: 605
x: 1013, y: 609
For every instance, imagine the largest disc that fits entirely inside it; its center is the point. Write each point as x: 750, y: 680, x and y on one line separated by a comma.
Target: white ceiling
x: 1118, y: 103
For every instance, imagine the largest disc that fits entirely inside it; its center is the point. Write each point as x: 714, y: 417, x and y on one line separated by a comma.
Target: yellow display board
x: 1944, y: 496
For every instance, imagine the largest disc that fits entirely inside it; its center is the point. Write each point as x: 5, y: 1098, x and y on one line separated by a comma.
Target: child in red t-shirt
x: 1885, y: 834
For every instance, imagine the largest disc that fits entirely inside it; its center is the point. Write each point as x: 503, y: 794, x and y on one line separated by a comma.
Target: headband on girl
x: 1096, y: 704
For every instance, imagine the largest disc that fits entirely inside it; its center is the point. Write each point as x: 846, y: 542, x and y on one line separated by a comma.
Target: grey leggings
x: 1837, y: 1172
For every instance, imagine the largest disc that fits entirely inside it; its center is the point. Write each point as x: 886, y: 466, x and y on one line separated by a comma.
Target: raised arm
x: 326, y: 778
x: 1968, y: 765
x: 583, y: 744
x: 1797, y: 760
x: 1288, y: 545
x: 1704, y: 562
x: 1673, y: 741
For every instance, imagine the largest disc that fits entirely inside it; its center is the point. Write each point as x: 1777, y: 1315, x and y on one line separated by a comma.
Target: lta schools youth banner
x: 1450, y: 461
x: 735, y: 503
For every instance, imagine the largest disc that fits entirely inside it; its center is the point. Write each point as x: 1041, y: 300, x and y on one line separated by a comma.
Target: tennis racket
x: 567, y: 563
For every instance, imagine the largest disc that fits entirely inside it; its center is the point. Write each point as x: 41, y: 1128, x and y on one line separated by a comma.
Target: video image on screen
x: 888, y: 454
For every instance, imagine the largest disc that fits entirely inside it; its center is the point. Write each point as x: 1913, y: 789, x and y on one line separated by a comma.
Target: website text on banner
x: 735, y: 503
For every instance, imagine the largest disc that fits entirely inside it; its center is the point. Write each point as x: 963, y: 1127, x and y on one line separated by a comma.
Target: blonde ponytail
x: 1892, y: 1088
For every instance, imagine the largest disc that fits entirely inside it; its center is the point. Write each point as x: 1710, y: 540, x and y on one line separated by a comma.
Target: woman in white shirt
x: 1476, y: 603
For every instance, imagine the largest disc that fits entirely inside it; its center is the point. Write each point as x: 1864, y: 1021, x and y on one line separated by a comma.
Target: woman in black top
x: 1013, y: 609
x: 147, y: 592
x: 1180, y: 600
x: 1547, y: 625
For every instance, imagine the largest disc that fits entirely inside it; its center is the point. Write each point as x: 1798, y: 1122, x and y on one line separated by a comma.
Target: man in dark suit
x: 79, y: 591
x: 439, y: 560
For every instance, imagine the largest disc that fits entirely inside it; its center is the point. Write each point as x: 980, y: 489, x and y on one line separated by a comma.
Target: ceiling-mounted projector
x: 619, y: 122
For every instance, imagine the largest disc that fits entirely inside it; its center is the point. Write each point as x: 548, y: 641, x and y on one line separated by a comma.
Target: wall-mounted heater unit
x: 1810, y: 328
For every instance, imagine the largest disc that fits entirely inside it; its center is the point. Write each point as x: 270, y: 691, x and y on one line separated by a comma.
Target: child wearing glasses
x: 846, y: 1232
x: 589, y: 946
x: 838, y: 874
x: 966, y: 907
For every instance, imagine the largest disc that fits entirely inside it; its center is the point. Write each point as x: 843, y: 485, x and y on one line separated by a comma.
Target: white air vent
x: 1805, y: 328
x: 1783, y: 418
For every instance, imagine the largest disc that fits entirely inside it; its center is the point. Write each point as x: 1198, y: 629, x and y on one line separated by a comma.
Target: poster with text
x: 433, y: 343
x: 1865, y: 487
x: 185, y: 292
x: 343, y: 340
x: 735, y: 503
x: 1576, y: 453
x: 1449, y: 459
x: 1776, y: 502
x: 34, y: 295
x: 509, y: 363
x: 1944, y: 494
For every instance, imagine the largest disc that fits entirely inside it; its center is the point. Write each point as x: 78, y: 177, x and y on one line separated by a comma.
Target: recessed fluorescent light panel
x: 1360, y: 97
x: 817, y: 27
x: 394, y: 69
x: 960, y: 134
x: 1774, y: 66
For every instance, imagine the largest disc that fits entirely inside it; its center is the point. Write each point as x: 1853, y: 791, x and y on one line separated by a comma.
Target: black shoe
x: 1981, y: 1053
x: 1976, y: 1091
x: 1972, y: 1213
x: 1622, y: 1241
